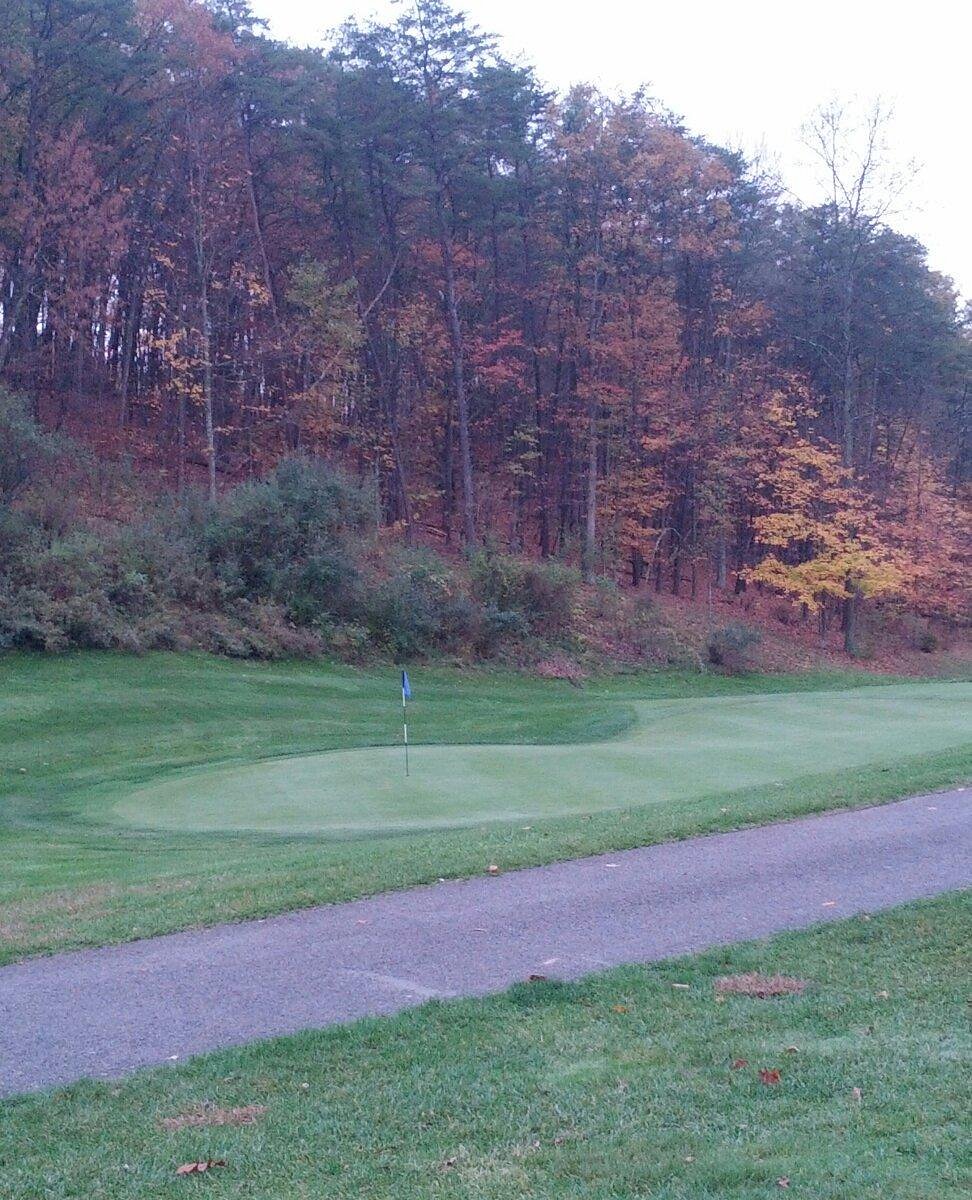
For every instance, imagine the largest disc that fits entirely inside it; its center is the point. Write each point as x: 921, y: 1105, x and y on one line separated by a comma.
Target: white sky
x: 747, y: 74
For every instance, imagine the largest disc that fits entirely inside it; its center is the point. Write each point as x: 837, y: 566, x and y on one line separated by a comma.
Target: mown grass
x: 619, y: 1087
x: 75, y: 729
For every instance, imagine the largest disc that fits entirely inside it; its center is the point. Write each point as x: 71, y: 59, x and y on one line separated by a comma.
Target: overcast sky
x: 748, y: 74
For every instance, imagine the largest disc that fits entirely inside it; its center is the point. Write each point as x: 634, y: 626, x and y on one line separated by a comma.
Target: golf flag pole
x: 406, y: 695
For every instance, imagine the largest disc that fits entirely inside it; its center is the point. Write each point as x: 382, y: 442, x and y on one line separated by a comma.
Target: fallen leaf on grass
x: 762, y: 987
x: 197, y: 1168
x: 492, y: 869
x: 207, y: 1115
x: 619, y: 1008
x: 783, y: 1181
x: 739, y: 1063
x: 769, y: 1076
x: 793, y: 1049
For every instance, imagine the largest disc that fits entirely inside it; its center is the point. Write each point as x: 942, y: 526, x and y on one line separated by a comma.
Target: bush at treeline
x: 290, y: 564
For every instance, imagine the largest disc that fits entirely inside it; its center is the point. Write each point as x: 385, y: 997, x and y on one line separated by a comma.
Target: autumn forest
x: 558, y: 326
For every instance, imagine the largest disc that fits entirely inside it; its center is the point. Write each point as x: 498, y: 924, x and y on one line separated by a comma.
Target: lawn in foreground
x: 636, y: 1083
x: 80, y: 731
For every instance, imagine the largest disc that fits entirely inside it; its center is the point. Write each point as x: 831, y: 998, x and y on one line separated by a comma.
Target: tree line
x: 560, y: 323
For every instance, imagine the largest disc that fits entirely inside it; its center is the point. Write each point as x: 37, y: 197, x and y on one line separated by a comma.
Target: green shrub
x: 293, y: 539
x: 25, y: 449
x: 541, y: 595
x: 499, y: 627
x: 731, y: 648
x: 421, y: 608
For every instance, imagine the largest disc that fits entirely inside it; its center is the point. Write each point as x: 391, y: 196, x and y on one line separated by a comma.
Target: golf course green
x: 673, y: 751
x: 140, y: 795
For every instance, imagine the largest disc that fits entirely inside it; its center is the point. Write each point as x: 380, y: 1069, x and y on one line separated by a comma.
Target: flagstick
x: 405, y: 731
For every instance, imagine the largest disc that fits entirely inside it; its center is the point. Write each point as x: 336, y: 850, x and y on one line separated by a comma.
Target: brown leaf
x: 739, y: 1063
x: 492, y: 869
x: 619, y: 1008
x: 769, y: 1076
x: 198, y: 1168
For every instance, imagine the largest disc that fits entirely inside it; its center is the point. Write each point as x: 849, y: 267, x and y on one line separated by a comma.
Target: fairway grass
x: 137, y: 794
x: 628, y: 1085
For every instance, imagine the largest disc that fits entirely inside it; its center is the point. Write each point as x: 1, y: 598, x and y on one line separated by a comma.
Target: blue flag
x: 406, y: 687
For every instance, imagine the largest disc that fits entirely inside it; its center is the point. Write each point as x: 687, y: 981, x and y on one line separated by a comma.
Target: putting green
x: 676, y: 750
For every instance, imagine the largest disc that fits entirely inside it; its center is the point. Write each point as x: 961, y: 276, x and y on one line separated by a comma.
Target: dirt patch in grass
x: 208, y: 1114
x: 762, y: 987
x: 25, y: 918
x: 42, y: 920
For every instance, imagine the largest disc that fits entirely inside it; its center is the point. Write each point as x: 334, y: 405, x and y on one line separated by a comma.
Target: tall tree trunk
x: 256, y: 216
x: 589, y: 555
x: 721, y: 565
x: 847, y: 398
x: 458, y: 376
x: 207, y: 361
x: 852, y: 612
